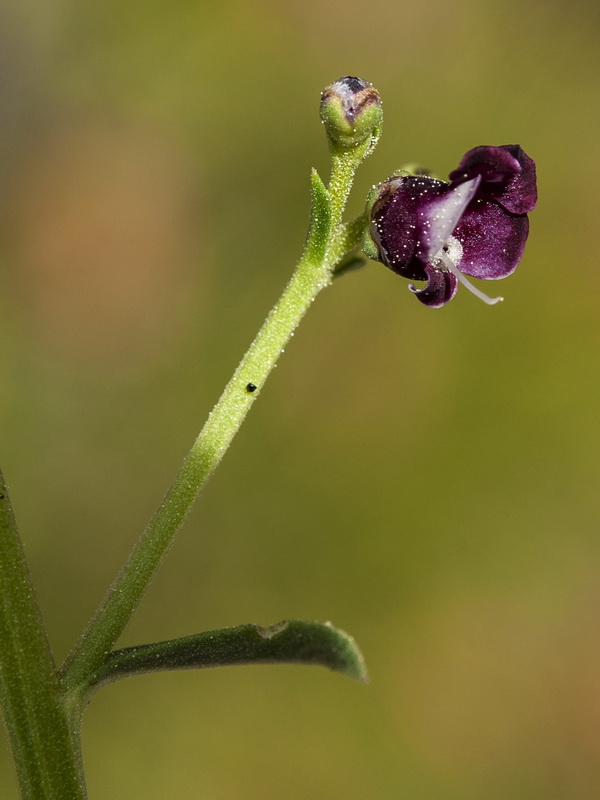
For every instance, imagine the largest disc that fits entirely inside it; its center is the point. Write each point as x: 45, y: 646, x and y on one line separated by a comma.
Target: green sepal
x: 345, y: 133
x: 413, y: 169
x: 369, y: 246
x: 320, y: 219
x: 289, y: 642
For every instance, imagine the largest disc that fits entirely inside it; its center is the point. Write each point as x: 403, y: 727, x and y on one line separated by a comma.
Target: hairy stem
x: 327, y: 243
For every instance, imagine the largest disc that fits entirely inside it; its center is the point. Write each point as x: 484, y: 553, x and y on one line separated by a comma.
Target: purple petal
x: 437, y: 220
x: 494, y: 164
x: 441, y: 287
x: 394, y: 222
x: 492, y: 239
x: 507, y: 173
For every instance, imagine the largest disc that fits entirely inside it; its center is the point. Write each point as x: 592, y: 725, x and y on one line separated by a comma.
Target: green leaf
x: 320, y: 219
x: 44, y: 738
x: 289, y: 642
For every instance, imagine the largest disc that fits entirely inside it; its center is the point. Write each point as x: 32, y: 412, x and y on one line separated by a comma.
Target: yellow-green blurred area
x: 427, y: 480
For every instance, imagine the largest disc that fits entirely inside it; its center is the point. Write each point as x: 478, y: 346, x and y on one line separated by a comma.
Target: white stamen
x: 451, y: 266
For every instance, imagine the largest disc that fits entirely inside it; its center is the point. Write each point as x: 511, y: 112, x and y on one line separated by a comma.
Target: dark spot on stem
x: 251, y: 387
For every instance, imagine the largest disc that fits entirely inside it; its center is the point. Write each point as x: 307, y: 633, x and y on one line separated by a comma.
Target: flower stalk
x: 328, y: 243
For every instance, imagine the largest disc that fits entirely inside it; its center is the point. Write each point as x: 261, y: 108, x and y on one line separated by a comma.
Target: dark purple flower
x: 438, y: 231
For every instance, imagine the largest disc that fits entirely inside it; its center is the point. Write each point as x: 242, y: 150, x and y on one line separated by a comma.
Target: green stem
x: 327, y: 242
x: 44, y: 741
x: 343, y: 169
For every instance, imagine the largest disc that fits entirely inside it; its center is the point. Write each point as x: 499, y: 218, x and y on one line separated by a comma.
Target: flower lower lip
x: 451, y: 267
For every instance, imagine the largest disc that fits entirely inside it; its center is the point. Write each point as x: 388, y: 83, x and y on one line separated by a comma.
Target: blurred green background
x: 428, y: 480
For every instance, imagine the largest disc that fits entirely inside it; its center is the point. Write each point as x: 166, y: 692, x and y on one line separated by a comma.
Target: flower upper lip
x: 508, y: 176
x: 483, y: 208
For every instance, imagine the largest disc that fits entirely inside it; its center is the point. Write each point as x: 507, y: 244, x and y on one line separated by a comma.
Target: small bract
x: 438, y: 231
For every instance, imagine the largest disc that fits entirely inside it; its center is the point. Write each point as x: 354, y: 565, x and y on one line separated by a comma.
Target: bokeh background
x: 428, y: 480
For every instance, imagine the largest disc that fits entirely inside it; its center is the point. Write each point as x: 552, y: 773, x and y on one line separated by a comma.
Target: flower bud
x: 352, y: 113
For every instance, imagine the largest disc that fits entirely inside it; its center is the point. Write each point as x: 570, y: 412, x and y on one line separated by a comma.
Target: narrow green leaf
x: 320, y: 219
x: 290, y: 642
x: 44, y: 741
